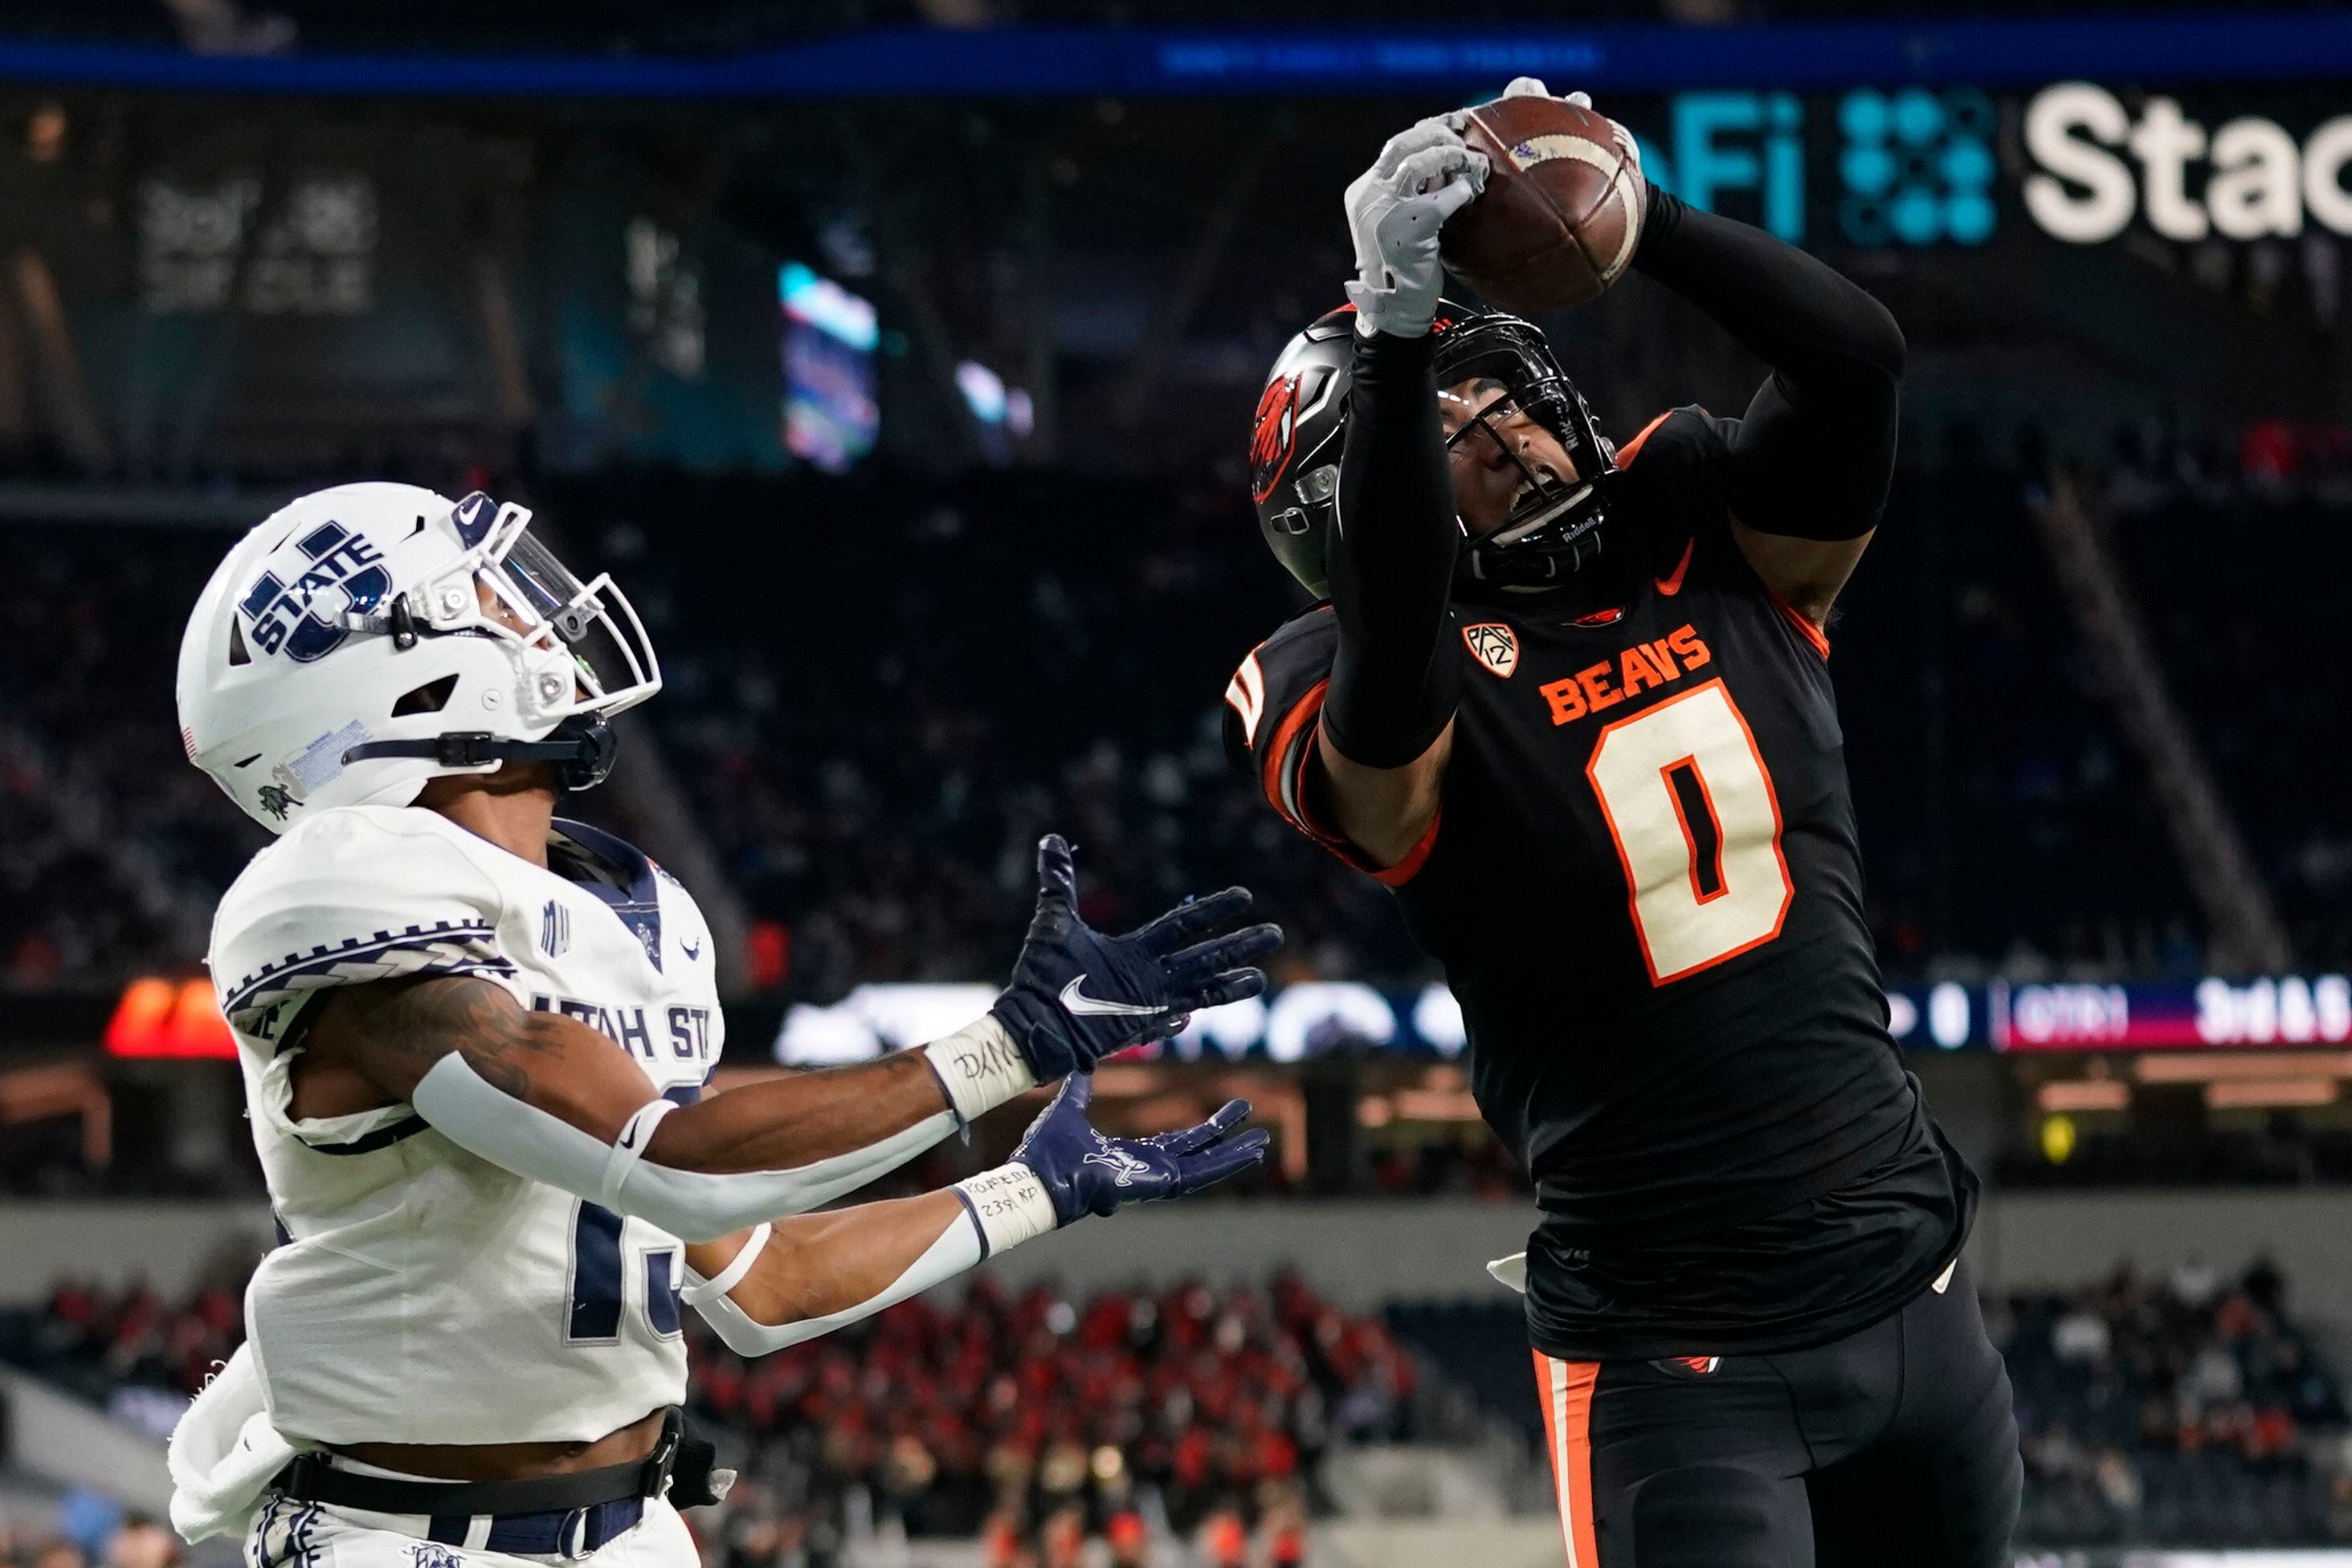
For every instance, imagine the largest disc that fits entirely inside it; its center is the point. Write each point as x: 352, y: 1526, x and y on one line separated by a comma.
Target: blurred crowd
x: 88, y: 1532
x: 124, y: 1349
x: 2243, y: 572
x: 114, y: 845
x: 1035, y: 1421
x: 1039, y: 1423
x: 2189, y: 1407
x: 882, y: 689
x: 875, y: 737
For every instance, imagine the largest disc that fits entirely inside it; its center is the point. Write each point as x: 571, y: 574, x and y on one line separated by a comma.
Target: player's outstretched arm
x: 1811, y: 461
x: 546, y: 1097
x: 1386, y: 728
x: 801, y: 1278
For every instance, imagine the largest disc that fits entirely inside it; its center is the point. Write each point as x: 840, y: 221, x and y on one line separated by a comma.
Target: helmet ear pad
x: 1295, y: 445
x: 598, y: 747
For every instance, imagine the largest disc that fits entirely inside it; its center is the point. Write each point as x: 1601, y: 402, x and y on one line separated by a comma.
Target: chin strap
x: 1545, y: 558
x: 582, y: 747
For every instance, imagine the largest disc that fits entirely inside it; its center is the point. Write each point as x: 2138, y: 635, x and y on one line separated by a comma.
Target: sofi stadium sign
x: 2098, y: 164
x: 1915, y: 167
x: 1305, y: 1020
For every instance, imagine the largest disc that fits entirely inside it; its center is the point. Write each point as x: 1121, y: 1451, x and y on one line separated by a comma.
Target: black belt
x: 680, y: 1468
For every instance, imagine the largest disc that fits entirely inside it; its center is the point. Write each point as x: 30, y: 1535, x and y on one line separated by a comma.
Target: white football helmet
x: 365, y: 639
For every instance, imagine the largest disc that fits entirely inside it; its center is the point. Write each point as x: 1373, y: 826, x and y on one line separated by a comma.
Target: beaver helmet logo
x: 275, y: 800
x: 1274, y: 436
x: 1494, y: 644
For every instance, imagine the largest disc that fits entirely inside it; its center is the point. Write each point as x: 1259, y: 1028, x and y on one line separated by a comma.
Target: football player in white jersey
x: 475, y: 1039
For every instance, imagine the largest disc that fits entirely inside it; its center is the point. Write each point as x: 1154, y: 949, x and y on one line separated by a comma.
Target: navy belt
x: 565, y: 1515
x: 559, y: 1533
x: 562, y: 1515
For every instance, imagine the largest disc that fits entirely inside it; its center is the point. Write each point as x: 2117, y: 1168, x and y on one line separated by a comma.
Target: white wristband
x: 629, y: 1148
x: 980, y: 1068
x: 727, y: 1279
x: 1009, y: 1204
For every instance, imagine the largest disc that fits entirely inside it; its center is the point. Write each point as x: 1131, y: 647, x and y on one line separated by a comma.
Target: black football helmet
x: 1301, y: 424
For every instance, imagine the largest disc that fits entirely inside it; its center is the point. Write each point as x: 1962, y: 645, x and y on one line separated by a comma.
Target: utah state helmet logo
x: 337, y: 574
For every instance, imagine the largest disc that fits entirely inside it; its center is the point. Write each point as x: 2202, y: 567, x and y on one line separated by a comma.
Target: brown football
x: 1561, y: 211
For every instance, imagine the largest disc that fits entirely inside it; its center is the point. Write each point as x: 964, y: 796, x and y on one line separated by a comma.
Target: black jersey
x: 1645, y: 887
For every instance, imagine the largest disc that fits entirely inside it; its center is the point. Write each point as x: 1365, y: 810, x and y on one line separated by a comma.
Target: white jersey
x: 420, y: 1294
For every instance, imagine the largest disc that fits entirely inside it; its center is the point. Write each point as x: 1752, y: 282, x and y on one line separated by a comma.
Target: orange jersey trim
x: 1346, y: 850
x: 1309, y: 708
x: 1566, y: 1390
x: 1305, y: 708
x: 1406, y: 870
x: 1804, y: 625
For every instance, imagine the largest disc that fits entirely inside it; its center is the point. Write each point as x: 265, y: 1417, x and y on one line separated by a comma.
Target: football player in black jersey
x: 1571, y: 702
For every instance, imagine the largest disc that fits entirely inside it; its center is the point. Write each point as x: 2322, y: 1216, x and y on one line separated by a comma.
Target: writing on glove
x: 1085, y: 1171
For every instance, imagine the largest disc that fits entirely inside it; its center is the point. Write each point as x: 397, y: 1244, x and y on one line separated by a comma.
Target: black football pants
x: 1892, y: 1447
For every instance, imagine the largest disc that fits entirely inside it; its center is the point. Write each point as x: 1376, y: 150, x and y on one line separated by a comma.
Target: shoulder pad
x: 1672, y: 482
x: 1682, y: 444
x: 1271, y: 709
x: 1274, y: 680
x: 351, y: 895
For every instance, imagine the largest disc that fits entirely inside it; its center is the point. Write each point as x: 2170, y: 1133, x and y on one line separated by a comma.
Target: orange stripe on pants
x: 1566, y: 1387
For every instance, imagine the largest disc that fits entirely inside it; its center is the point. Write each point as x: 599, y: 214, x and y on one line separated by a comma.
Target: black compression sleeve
x: 1816, y: 451
x: 1390, y: 558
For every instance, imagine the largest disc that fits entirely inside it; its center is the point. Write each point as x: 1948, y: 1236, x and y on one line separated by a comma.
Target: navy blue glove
x: 1085, y: 1172
x: 1077, y: 995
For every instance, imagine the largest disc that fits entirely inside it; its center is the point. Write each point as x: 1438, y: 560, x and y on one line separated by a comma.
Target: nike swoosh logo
x: 693, y: 949
x: 1078, y: 1003
x: 1672, y: 583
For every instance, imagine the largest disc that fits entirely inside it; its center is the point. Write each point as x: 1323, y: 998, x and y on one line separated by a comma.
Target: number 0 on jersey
x: 1697, y: 830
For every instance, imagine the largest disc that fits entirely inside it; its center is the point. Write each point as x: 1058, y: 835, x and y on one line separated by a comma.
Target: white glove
x: 1395, y: 208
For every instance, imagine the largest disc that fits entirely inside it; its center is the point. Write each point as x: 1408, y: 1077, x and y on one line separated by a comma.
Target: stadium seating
x: 2191, y: 1409
x: 2187, y: 1409
x: 2257, y: 671
x: 1204, y: 1411
x: 872, y: 737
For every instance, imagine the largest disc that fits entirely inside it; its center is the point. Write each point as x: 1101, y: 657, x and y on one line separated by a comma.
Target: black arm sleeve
x: 1813, y: 458
x: 1390, y: 557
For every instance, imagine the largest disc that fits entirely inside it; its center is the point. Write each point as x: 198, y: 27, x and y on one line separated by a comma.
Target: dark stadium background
x: 654, y: 279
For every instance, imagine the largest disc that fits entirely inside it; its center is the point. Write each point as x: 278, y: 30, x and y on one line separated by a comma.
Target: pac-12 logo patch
x: 1494, y: 644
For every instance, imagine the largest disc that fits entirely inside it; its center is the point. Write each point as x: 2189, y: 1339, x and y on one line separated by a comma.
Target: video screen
x: 831, y: 418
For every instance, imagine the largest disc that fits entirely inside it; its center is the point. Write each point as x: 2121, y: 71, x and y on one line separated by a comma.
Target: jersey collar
x: 634, y: 893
